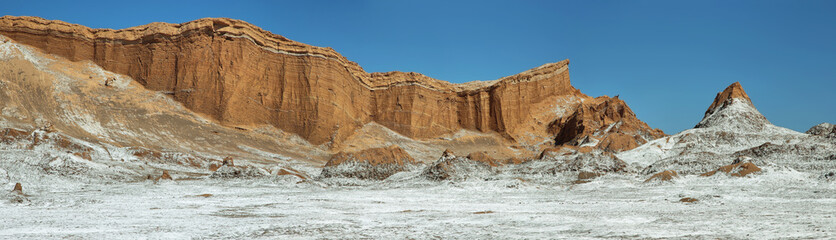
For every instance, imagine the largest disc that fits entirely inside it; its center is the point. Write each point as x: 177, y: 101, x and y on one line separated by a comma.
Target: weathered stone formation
x: 244, y: 76
x: 735, y: 90
x: 605, y: 123
x: 723, y: 111
x: 739, y: 169
x: 663, y: 176
x: 824, y: 129
x: 165, y: 176
x: 577, y: 159
x: 733, y: 131
x: 372, y: 163
x: 18, y: 188
x: 452, y: 167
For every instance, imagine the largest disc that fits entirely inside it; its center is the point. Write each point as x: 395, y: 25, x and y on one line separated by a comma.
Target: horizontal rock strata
x: 240, y: 74
x: 244, y: 76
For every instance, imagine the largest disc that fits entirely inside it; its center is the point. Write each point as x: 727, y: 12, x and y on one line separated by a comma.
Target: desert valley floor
x: 780, y: 203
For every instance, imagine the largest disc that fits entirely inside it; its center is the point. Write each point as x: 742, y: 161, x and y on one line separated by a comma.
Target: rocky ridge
x: 606, y: 123
x: 824, y: 129
x: 244, y: 76
x: 731, y: 130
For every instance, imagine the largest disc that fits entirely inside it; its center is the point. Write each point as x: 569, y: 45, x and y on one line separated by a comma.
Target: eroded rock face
x: 452, y: 167
x: 825, y: 130
x: 244, y: 76
x: 663, y: 176
x: 735, y: 170
x: 373, y: 163
x: 735, y: 90
x: 605, y: 123
x: 731, y: 109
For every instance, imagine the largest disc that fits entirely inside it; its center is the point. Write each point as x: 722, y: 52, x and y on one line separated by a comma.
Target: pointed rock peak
x: 733, y: 110
x: 735, y: 90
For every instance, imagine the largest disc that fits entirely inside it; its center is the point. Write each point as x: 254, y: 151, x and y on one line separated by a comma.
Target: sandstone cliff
x: 244, y: 76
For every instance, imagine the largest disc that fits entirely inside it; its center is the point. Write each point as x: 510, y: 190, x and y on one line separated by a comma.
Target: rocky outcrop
x: 17, y: 195
x: 165, y: 176
x: 291, y: 172
x: 18, y: 188
x: 733, y: 130
x: 825, y: 130
x: 735, y: 90
x: 372, y: 163
x: 585, y: 177
x: 244, y: 76
x: 735, y: 170
x: 663, y: 176
x: 452, y: 167
x: 10, y: 135
x: 229, y: 171
x: 605, y: 123
x: 733, y: 109
x: 576, y: 159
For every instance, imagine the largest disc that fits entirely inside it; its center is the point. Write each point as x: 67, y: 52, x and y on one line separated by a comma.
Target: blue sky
x: 667, y: 59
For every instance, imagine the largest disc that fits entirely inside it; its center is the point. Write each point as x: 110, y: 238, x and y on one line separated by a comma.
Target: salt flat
x: 779, y: 203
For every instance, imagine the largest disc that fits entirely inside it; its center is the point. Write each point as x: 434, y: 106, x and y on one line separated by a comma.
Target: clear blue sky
x: 667, y: 59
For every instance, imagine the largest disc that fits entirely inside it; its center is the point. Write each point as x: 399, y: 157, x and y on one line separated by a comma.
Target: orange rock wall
x: 241, y: 75
x: 609, y: 120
